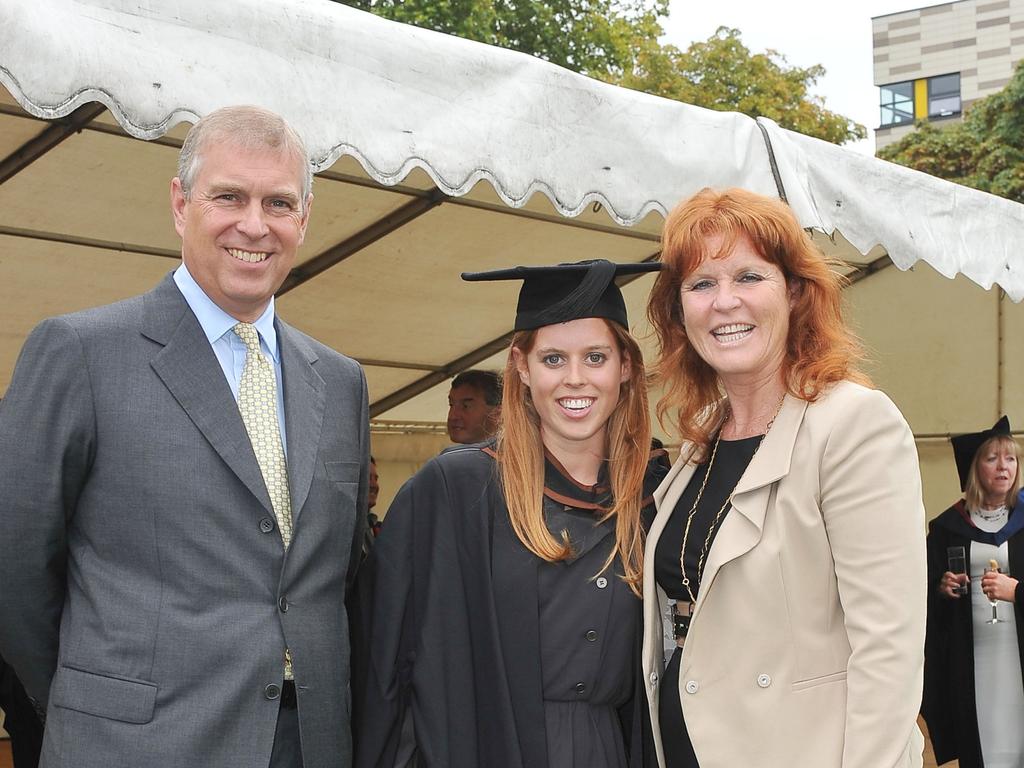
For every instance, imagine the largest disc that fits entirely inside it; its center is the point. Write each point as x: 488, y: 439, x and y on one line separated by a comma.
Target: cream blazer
x: 806, y: 644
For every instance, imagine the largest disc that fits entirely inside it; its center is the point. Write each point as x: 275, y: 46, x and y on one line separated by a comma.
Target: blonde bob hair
x: 974, y: 494
x: 820, y: 348
x: 520, y: 454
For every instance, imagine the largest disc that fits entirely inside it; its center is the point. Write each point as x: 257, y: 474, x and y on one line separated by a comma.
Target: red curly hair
x: 820, y: 349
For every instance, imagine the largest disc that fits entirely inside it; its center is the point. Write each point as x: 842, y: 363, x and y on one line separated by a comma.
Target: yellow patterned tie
x: 257, y: 402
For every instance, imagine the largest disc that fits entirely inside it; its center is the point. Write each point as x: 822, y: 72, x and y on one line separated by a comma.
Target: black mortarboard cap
x: 965, y: 446
x: 564, y: 292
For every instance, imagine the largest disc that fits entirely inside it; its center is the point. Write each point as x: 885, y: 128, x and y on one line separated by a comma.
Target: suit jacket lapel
x: 189, y: 368
x: 742, y: 527
x: 303, y: 411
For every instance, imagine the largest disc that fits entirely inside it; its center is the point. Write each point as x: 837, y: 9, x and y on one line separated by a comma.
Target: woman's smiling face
x: 574, y: 371
x: 736, y: 309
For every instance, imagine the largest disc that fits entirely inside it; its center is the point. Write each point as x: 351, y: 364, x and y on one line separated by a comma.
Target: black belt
x: 288, y: 700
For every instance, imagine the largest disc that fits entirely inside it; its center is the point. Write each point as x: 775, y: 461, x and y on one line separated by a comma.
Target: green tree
x: 617, y: 41
x: 586, y: 36
x: 984, y: 151
x: 722, y: 73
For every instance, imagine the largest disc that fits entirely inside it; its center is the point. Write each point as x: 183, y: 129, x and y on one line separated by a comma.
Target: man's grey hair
x: 246, y: 126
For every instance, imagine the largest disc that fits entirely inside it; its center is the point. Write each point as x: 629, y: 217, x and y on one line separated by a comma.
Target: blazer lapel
x: 742, y: 527
x: 303, y: 411
x: 189, y: 369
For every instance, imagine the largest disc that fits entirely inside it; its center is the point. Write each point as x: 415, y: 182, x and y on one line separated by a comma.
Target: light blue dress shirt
x: 230, y: 350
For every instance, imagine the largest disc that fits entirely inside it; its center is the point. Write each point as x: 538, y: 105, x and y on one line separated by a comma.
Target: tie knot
x: 249, y: 335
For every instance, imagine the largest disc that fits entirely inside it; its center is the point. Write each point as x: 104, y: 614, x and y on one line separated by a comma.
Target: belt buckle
x: 681, y: 615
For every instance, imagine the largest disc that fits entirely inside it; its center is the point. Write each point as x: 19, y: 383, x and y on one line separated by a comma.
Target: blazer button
x: 764, y: 680
x: 692, y: 686
x: 591, y: 635
x: 283, y: 604
x: 266, y: 525
x: 601, y: 582
x: 272, y: 691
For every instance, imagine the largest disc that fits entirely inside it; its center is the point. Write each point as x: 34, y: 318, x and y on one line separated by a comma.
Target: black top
x: 589, y: 630
x: 484, y: 644
x: 730, y: 463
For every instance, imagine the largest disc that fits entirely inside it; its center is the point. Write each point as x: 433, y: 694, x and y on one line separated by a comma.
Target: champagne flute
x: 993, y: 567
x: 956, y: 557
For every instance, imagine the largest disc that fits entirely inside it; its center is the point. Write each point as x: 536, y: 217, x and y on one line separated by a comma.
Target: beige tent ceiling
x: 87, y: 221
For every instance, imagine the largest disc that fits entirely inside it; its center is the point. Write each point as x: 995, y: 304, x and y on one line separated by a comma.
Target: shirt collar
x: 214, y: 321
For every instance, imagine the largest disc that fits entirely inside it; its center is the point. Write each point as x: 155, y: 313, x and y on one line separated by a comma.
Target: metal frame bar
x: 357, y: 242
x: 48, y: 138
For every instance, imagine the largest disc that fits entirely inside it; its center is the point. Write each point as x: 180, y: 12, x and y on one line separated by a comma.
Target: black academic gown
x: 949, y: 705
x: 448, y: 625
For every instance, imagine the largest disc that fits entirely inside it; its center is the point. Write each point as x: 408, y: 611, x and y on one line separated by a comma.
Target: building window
x: 898, y: 103
x: 944, y: 95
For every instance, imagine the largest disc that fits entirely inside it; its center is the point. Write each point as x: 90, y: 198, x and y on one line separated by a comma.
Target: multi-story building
x: 932, y: 62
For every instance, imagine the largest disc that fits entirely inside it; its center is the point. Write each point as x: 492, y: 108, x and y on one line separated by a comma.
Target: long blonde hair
x: 974, y: 494
x: 627, y: 448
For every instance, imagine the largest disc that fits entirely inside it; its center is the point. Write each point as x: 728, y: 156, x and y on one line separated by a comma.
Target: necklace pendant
x: 686, y: 581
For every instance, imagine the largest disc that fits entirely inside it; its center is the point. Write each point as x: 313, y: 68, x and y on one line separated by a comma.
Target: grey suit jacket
x: 145, y: 596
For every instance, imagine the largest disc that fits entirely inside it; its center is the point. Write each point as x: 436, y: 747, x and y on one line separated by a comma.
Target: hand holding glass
x: 993, y: 567
x: 957, y: 560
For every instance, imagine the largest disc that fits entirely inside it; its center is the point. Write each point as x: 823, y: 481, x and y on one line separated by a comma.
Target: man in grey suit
x: 183, y: 481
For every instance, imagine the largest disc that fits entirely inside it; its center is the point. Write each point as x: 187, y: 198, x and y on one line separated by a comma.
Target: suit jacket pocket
x: 116, y: 698
x: 814, y: 682
x: 342, y: 471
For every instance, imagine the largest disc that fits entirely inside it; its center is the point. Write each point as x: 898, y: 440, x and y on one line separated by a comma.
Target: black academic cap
x: 965, y: 446
x: 564, y: 292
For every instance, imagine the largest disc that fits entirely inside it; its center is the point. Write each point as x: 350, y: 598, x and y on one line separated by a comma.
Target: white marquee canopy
x: 431, y: 152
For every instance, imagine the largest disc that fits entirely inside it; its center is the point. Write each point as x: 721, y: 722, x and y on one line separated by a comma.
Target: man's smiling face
x: 242, y: 225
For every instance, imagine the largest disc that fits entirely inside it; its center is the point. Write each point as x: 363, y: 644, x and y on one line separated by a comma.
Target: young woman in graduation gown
x: 790, y: 531
x: 973, y: 687
x: 499, y: 619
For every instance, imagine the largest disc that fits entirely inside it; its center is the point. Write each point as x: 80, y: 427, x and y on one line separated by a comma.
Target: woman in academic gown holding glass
x: 500, y: 619
x: 973, y: 687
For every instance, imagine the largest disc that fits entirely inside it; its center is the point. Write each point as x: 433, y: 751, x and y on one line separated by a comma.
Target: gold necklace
x: 718, y: 516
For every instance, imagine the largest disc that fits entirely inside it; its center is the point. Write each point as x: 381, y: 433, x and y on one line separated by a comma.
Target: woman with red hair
x: 787, y: 560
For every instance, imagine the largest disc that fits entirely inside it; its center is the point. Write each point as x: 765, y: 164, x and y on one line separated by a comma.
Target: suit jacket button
x: 764, y: 680
x: 266, y: 525
x: 601, y: 582
x: 691, y: 686
x: 272, y: 691
x: 283, y: 604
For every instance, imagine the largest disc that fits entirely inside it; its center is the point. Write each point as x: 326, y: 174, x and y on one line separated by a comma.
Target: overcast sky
x: 836, y: 35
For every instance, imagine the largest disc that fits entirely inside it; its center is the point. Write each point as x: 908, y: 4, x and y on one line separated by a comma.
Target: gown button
x: 601, y: 582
